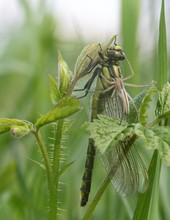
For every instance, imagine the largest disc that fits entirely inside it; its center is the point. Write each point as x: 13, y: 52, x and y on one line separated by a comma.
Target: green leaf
x: 105, y: 130
x: 18, y: 128
x: 64, y: 108
x: 4, y: 129
x: 136, y: 102
x: 89, y: 57
x: 163, y: 103
x: 164, y: 146
x: 156, y: 138
x: 54, y: 90
x: 64, y: 74
x: 143, y: 111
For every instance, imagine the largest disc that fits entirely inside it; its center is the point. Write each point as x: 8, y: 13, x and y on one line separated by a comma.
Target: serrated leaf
x: 163, y: 104
x: 107, y: 132
x: 104, y: 130
x: 54, y: 90
x: 143, y: 111
x: 64, y: 74
x: 156, y: 138
x: 18, y: 128
x: 64, y: 108
x: 164, y: 147
x: 136, y: 102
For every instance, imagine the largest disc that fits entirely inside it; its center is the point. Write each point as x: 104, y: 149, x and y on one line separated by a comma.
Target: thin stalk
x: 158, y: 119
x: 50, y: 177
x: 96, y: 198
x: 57, y: 155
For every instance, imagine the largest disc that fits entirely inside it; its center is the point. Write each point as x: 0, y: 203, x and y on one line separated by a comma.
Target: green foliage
x: 64, y: 108
x: 18, y: 128
x: 64, y: 74
x: 28, y: 55
x: 143, y: 113
x: 163, y: 104
x: 105, y: 130
x: 54, y: 90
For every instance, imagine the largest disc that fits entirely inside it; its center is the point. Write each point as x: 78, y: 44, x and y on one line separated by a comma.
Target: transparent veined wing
x: 126, y: 168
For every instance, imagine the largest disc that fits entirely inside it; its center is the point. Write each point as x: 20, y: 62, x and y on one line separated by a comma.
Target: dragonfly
x: 110, y: 97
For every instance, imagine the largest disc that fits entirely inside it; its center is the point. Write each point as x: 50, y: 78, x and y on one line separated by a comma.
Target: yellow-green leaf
x: 54, y: 90
x: 64, y: 108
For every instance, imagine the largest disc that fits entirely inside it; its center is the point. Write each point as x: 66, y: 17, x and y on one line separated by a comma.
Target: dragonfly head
x: 115, y: 53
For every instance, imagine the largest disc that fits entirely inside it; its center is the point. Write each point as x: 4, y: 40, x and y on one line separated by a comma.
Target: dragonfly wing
x: 126, y: 168
x: 122, y: 161
x: 114, y: 107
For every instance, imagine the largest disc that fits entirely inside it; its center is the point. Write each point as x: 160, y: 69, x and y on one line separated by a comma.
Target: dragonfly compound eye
x: 115, y: 53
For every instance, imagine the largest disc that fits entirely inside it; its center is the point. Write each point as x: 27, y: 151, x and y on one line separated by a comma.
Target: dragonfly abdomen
x: 87, y: 177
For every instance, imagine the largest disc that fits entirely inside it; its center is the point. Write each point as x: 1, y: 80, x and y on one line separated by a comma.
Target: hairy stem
x: 50, y: 178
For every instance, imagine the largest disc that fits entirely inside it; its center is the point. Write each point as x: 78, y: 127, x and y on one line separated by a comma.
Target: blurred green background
x: 28, y: 53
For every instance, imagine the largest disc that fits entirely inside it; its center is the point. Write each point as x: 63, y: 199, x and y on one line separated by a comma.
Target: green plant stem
x: 96, y: 198
x: 50, y: 177
x: 57, y: 149
x: 158, y: 119
x: 72, y: 85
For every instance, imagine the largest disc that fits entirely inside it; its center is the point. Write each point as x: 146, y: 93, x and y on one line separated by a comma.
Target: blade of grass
x: 162, y: 76
x: 147, y: 204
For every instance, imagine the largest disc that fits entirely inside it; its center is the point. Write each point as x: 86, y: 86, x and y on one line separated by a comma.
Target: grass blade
x: 162, y: 76
x: 147, y: 203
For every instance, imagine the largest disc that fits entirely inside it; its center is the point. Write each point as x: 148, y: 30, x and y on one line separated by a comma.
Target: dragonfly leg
x: 136, y: 86
x: 109, y: 82
x: 100, y: 52
x: 88, y: 85
x: 131, y: 70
